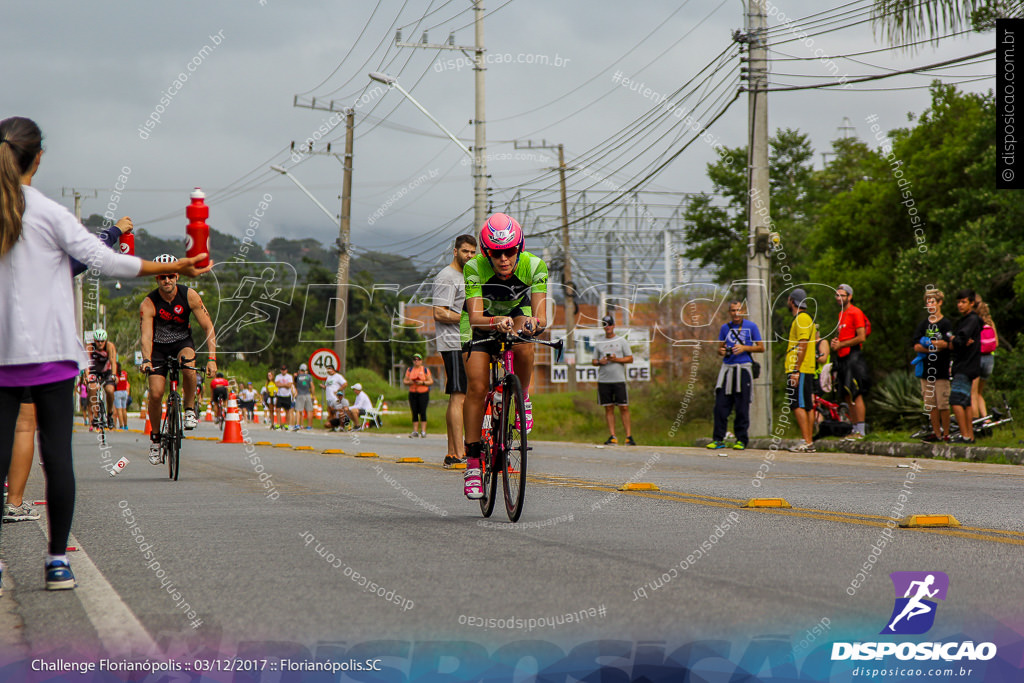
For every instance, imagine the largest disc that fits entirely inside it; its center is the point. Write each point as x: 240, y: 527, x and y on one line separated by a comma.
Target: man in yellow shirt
x: 800, y: 368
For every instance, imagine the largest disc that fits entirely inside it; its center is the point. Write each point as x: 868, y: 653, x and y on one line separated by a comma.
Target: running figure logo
x: 914, y: 613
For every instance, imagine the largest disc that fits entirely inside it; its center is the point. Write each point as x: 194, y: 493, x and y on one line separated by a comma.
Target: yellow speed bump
x: 767, y: 503
x: 303, y: 448
x: 333, y: 451
x: 282, y: 445
x: 409, y: 460
x: 458, y: 466
x: 366, y: 455
x: 928, y: 521
x: 639, y: 486
x: 264, y: 443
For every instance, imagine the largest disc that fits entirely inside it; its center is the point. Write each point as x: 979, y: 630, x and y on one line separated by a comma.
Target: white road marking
x: 120, y: 631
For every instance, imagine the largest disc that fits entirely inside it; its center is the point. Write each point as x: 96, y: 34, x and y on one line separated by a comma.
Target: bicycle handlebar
x: 517, y: 339
x: 181, y: 366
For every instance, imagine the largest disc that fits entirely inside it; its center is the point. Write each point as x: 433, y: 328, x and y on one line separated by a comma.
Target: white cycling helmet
x: 99, y: 335
x: 166, y: 258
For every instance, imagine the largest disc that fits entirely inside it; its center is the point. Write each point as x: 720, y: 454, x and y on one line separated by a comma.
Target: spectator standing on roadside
x: 989, y: 344
x: 334, y: 388
x: 611, y: 356
x: 40, y: 348
x: 737, y: 339
x: 121, y: 398
x: 449, y: 300
x: 269, y: 395
x: 931, y: 338
x: 303, y: 398
x: 16, y: 508
x: 800, y: 368
x: 966, y: 346
x: 854, y: 376
x: 418, y: 379
x: 285, y: 384
x: 247, y: 401
x: 83, y: 398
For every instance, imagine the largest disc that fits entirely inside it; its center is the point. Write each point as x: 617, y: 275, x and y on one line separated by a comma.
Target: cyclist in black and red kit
x: 102, y: 358
x: 219, y: 395
x: 166, y: 332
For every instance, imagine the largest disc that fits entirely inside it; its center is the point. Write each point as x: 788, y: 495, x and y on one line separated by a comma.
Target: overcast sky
x: 91, y: 74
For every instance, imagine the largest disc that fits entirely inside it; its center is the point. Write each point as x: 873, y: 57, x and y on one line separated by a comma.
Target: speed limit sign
x: 321, y: 360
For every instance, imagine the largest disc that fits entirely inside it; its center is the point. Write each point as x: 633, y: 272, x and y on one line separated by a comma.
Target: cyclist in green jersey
x: 506, y: 290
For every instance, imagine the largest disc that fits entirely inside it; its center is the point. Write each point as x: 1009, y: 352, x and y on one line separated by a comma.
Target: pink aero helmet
x: 501, y: 231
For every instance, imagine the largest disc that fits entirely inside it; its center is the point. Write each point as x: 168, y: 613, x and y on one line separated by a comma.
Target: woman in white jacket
x: 39, y: 344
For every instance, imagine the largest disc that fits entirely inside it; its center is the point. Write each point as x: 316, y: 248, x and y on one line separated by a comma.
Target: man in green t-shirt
x: 800, y: 368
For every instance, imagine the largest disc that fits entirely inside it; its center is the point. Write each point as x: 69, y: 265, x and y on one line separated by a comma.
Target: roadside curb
x: 896, y: 449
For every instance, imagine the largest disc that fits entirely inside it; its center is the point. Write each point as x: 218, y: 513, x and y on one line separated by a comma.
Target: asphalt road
x: 262, y: 549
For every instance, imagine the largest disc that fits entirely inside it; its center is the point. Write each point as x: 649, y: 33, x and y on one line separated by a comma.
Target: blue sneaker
x: 59, y: 576
x: 715, y: 445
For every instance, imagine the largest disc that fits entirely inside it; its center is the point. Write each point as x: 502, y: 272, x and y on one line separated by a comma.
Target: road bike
x: 830, y: 419
x: 172, y: 429
x: 102, y: 421
x: 505, y: 446
x: 982, y: 426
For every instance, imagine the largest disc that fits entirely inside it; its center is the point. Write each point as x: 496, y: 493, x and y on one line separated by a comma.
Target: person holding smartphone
x: 611, y: 356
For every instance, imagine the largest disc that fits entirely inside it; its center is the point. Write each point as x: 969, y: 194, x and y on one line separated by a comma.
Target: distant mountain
x: 381, y: 266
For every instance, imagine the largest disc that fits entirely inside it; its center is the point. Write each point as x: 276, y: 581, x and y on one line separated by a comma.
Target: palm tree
x: 907, y: 21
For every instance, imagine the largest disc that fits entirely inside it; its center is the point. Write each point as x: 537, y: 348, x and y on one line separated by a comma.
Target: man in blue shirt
x: 737, y: 339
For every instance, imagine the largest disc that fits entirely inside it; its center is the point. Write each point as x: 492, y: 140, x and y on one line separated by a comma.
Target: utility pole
x: 344, y: 225
x: 758, y: 263
x: 479, y: 118
x: 567, y: 283
x: 79, y: 294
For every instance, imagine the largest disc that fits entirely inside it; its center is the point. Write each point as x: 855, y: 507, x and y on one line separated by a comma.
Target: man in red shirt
x: 854, y: 376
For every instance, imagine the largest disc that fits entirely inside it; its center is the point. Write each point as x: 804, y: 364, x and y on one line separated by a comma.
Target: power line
x: 788, y: 57
x: 876, y: 77
x: 350, y: 50
x: 603, y: 71
x: 616, y: 88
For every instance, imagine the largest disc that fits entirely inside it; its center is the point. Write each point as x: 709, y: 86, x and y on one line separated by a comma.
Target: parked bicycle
x: 172, y: 429
x: 830, y: 419
x: 505, y: 442
x: 983, y: 426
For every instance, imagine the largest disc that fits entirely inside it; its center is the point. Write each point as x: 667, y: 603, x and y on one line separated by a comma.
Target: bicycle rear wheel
x: 512, y: 446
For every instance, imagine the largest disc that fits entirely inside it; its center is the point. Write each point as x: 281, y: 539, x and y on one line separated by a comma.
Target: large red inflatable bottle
x: 197, y: 234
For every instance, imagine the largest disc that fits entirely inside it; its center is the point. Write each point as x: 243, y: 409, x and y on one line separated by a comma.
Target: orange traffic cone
x: 232, y: 426
x: 318, y: 412
x: 209, y: 415
x: 148, y: 429
x: 255, y: 417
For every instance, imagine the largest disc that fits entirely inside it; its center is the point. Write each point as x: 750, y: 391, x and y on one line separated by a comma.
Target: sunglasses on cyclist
x: 166, y: 277
x: 499, y: 253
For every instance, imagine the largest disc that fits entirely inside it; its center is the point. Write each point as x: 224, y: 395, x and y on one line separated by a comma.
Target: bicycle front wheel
x: 172, y: 438
x: 490, y: 479
x: 513, y: 446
